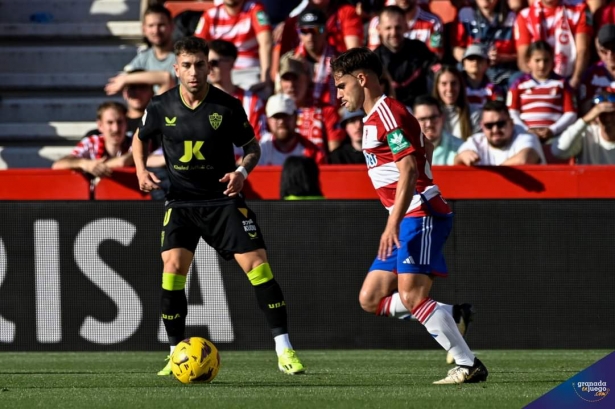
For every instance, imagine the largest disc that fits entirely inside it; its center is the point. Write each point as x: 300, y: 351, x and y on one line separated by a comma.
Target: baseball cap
x: 606, y: 34
x: 475, y: 50
x: 280, y: 104
x: 291, y: 65
x: 312, y: 17
x: 347, y: 115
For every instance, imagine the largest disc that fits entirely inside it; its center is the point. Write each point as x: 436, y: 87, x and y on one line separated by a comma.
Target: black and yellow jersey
x: 197, y: 143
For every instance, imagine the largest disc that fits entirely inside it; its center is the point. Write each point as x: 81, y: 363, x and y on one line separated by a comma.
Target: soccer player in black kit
x: 198, y: 125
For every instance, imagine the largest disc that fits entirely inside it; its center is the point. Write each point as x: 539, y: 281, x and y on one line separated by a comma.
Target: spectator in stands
x: 566, y: 26
x: 344, y: 27
x: 222, y: 56
x: 284, y: 141
x: 300, y: 179
x: 97, y: 155
x: 591, y: 139
x: 419, y: 25
x: 449, y: 89
x: 350, y: 152
x: 479, y: 89
x: 317, y: 53
x: 489, y: 23
x: 600, y: 77
x: 541, y: 101
x: 245, y: 24
x: 156, y: 62
x: 500, y: 143
x: 407, y: 62
x: 317, y: 122
x: 428, y: 113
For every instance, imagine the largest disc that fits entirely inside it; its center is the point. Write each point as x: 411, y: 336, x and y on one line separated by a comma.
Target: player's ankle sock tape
x: 174, y: 307
x: 173, y: 282
x: 271, y: 301
x: 260, y: 275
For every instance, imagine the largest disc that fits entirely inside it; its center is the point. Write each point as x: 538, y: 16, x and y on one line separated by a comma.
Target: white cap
x: 280, y: 104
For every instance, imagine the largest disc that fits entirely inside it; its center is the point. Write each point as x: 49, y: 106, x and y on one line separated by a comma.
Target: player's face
x: 448, y: 88
x: 219, y: 67
x: 157, y: 29
x: 295, y: 86
x: 354, y: 129
x: 431, y: 120
x: 391, y: 29
x: 137, y: 96
x: 112, y: 125
x: 192, y: 71
x: 498, y: 128
x: 540, y: 64
x: 282, y: 126
x: 349, y: 91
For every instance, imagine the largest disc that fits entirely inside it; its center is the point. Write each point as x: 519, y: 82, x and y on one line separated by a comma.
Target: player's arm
x: 527, y: 156
x: 121, y: 161
x: 251, y: 155
x: 147, y: 180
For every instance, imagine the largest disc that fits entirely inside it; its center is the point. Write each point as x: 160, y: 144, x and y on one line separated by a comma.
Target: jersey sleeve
x: 513, y: 98
x: 149, y: 129
x: 351, y: 22
x: 202, y: 29
x: 260, y: 19
x: 459, y: 37
x: 402, y: 131
x: 522, y: 32
x: 241, y: 130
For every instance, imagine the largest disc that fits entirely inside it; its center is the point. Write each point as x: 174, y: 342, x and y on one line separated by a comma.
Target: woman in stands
x: 449, y: 89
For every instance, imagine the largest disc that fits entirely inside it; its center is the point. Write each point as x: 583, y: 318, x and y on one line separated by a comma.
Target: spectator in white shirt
x: 591, y: 138
x: 500, y: 143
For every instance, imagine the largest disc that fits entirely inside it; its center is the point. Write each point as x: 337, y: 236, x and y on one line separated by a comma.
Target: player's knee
x: 368, y: 302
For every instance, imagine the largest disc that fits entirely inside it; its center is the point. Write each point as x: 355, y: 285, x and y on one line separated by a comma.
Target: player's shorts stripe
x: 387, y: 124
x: 389, y: 114
x: 426, y: 240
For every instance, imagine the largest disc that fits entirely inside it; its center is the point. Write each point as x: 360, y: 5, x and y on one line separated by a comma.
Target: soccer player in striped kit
x: 398, y: 158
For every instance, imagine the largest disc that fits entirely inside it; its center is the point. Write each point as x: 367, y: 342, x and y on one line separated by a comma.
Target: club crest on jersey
x: 215, y: 120
x: 397, y: 142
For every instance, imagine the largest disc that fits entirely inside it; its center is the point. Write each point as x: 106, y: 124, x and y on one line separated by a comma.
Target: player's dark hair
x: 392, y: 10
x: 223, y: 48
x: 300, y: 177
x: 191, y: 45
x: 121, y: 108
x: 357, y: 59
x: 496, y: 106
x: 539, y: 45
x: 158, y: 9
x: 426, y: 100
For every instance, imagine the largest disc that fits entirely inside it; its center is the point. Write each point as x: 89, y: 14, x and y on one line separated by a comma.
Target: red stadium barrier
x: 176, y: 7
x: 339, y: 182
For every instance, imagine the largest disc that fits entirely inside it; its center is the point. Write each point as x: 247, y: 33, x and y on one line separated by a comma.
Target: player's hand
x: 389, y: 238
x: 147, y: 181
x: 235, y: 183
x: 96, y: 167
x: 469, y: 158
x: 115, y: 84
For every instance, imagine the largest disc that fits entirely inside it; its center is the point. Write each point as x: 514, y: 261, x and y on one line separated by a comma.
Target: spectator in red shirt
x: 316, y: 122
x: 284, y: 141
x: 317, y: 53
x: 245, y: 24
x: 565, y: 25
x: 97, y: 155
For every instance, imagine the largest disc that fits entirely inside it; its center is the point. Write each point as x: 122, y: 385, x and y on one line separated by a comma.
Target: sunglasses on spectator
x: 216, y: 63
x: 604, y: 98
x: 312, y: 30
x: 498, y: 124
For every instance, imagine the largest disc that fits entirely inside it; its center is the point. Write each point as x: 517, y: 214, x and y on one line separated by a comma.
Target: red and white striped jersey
x: 93, y: 147
x: 540, y: 104
x: 391, y: 133
x: 477, y: 97
x: 255, y: 110
x: 426, y: 27
x: 241, y: 30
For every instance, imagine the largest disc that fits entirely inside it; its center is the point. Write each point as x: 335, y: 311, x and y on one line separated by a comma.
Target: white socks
x: 392, y: 306
x: 281, y: 343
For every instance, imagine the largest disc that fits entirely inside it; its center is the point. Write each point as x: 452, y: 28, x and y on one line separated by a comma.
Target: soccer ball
x: 195, y: 360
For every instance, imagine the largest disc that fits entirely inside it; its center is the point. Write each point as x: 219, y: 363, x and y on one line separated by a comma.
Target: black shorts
x: 229, y: 228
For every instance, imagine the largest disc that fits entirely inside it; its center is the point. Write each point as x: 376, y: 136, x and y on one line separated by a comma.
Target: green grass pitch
x: 335, y: 379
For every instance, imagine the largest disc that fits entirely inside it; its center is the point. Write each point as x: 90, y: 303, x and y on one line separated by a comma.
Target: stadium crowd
x: 504, y: 83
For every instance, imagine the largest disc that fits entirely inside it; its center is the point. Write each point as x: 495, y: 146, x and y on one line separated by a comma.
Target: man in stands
x: 351, y: 150
x: 428, y: 113
x: 97, y: 155
x: 600, y: 77
x: 284, y: 141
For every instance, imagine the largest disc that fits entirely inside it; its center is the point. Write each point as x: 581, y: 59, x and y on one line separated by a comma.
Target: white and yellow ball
x: 195, y: 360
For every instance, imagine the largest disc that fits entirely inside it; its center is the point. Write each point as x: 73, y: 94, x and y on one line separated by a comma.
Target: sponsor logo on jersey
x: 409, y: 260
x: 262, y: 19
x: 170, y: 121
x: 397, y: 142
x: 215, y: 120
